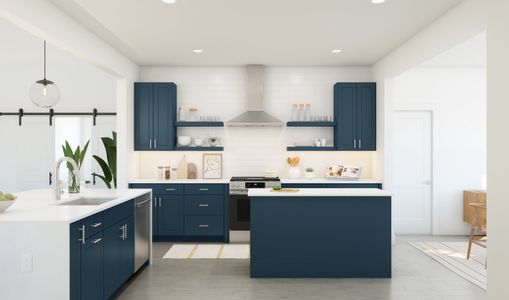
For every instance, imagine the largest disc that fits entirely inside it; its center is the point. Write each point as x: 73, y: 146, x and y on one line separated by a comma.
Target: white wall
x: 42, y: 19
x: 462, y: 22
x: 250, y: 151
x: 455, y: 87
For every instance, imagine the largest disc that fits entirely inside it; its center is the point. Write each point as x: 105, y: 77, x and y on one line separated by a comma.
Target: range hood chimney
x: 254, y: 116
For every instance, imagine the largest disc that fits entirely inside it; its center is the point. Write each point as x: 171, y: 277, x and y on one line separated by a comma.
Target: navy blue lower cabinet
x: 118, y: 255
x: 310, y: 237
x: 92, y: 261
x: 171, y: 215
x: 75, y: 260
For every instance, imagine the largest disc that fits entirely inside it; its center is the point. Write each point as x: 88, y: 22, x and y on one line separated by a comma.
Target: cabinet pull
x: 170, y: 190
x: 203, y: 205
x: 125, y: 231
x: 203, y: 226
x: 360, y: 144
x: 96, y: 241
x: 150, y: 144
x: 96, y: 225
x: 160, y: 202
x: 204, y: 189
x: 354, y: 143
x: 155, y: 143
x: 82, y: 239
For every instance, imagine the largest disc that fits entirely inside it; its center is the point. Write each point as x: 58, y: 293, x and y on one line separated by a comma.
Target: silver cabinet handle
x: 122, y: 235
x: 204, y: 189
x: 203, y: 205
x: 96, y: 241
x: 360, y: 144
x: 203, y: 226
x: 82, y: 239
x: 96, y: 225
x: 160, y: 202
x: 142, y: 203
x: 170, y: 190
x: 155, y: 201
x: 125, y: 231
x: 150, y: 144
x: 354, y: 143
x: 155, y: 143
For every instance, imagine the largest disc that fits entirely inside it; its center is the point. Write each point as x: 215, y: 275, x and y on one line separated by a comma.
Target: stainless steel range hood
x: 255, y: 116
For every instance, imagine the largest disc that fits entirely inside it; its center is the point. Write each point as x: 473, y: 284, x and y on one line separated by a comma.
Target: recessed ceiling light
x: 198, y: 51
x: 169, y: 1
x: 377, y: 1
x: 336, y: 51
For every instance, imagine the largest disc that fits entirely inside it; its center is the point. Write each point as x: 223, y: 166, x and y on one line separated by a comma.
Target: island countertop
x: 39, y: 205
x: 320, y: 193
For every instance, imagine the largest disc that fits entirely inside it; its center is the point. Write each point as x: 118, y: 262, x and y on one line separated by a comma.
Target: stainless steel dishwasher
x: 142, y: 206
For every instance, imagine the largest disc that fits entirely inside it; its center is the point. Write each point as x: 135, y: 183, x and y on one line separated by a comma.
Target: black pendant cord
x: 44, y: 60
x: 51, y: 113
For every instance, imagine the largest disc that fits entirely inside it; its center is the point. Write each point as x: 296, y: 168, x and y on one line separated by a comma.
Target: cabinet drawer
x: 204, y: 189
x: 117, y: 213
x: 303, y: 185
x: 93, y: 224
x: 204, y: 225
x: 353, y: 186
x: 168, y: 189
x: 204, y: 205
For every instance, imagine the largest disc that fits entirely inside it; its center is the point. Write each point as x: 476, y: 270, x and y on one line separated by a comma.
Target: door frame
x: 434, y: 111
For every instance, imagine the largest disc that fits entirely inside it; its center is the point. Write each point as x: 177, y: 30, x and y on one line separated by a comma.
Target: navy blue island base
x: 320, y: 236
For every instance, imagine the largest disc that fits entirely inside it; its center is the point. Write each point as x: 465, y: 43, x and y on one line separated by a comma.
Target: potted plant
x: 78, y: 156
x: 6, y: 200
x: 109, y: 168
x: 294, y: 171
x: 310, y: 173
x: 213, y: 141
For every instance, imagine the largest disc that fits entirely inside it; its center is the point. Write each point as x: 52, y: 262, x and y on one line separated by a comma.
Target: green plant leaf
x: 108, y: 184
x: 104, y: 166
x: 83, y: 153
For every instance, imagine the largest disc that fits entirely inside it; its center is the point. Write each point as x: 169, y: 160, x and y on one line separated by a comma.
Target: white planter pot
x: 4, y: 205
x: 310, y: 175
x: 294, y: 173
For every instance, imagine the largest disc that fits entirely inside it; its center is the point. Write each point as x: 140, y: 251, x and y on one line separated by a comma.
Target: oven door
x: 240, y: 211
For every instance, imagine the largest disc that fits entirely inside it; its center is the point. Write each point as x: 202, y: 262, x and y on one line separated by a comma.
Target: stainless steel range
x: 239, y: 203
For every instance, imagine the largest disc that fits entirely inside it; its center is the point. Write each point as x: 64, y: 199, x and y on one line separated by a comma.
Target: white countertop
x: 156, y: 181
x: 330, y: 181
x: 39, y: 206
x: 320, y: 193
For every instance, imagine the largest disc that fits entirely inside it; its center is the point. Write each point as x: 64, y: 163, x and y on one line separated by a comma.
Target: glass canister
x: 167, y: 173
x: 160, y: 173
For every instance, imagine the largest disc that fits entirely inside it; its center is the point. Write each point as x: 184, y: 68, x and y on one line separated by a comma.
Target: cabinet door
x: 118, y: 255
x: 171, y: 215
x: 345, y: 95
x: 92, y: 263
x: 164, y: 116
x: 143, y: 116
x: 75, y: 260
x: 366, y: 116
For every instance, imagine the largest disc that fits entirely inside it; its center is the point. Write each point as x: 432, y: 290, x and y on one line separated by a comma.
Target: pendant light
x: 44, y: 93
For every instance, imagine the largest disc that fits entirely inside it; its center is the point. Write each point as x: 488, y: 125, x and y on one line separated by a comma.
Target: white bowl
x: 4, y: 205
x: 184, y: 140
x: 270, y: 173
x: 198, y: 142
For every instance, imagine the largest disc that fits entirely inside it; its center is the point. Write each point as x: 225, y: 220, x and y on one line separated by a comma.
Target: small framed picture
x: 212, y: 166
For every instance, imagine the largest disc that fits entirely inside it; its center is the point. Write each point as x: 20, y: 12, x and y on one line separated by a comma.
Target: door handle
x: 203, y: 226
x: 155, y: 143
x: 159, y: 201
x: 82, y: 239
x: 122, y: 229
x: 354, y: 143
x: 170, y: 190
x: 360, y: 144
x: 142, y: 203
x: 50, y: 178
x: 150, y: 144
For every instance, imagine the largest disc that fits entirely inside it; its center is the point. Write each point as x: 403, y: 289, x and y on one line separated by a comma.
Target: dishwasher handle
x: 140, y: 204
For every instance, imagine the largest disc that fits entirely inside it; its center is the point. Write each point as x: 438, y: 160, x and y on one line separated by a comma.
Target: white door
x: 412, y: 171
x: 35, y: 155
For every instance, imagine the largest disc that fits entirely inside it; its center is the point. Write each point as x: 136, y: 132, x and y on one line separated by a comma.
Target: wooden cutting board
x: 285, y: 191
x: 192, y: 171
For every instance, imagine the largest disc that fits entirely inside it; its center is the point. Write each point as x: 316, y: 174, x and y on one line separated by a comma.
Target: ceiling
x: 269, y: 32
x: 469, y: 53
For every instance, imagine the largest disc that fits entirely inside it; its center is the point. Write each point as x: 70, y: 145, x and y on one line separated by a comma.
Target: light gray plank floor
x: 415, y: 277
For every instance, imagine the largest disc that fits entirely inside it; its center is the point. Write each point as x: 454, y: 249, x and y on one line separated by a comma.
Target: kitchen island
x: 320, y: 233
x: 79, y: 247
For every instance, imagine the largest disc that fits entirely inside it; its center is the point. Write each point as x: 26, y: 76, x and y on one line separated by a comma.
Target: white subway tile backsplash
x: 221, y: 91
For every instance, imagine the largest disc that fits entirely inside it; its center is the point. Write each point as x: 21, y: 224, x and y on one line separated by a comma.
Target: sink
x: 88, y: 201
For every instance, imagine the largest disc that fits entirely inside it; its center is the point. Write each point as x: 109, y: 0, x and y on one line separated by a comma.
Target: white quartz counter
x: 320, y: 193
x: 329, y: 181
x: 39, y: 206
x: 156, y: 181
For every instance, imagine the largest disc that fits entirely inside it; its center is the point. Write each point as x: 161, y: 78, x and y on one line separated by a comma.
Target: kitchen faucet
x: 56, y: 184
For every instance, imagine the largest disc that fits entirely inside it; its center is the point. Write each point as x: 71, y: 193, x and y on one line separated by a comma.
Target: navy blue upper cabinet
x: 154, y: 116
x: 355, y: 111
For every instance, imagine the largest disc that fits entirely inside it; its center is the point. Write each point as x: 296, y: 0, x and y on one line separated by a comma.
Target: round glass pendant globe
x: 44, y: 93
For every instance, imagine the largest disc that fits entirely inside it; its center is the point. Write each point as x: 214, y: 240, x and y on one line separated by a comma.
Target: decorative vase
x: 73, y: 183
x: 310, y: 175
x: 294, y: 172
